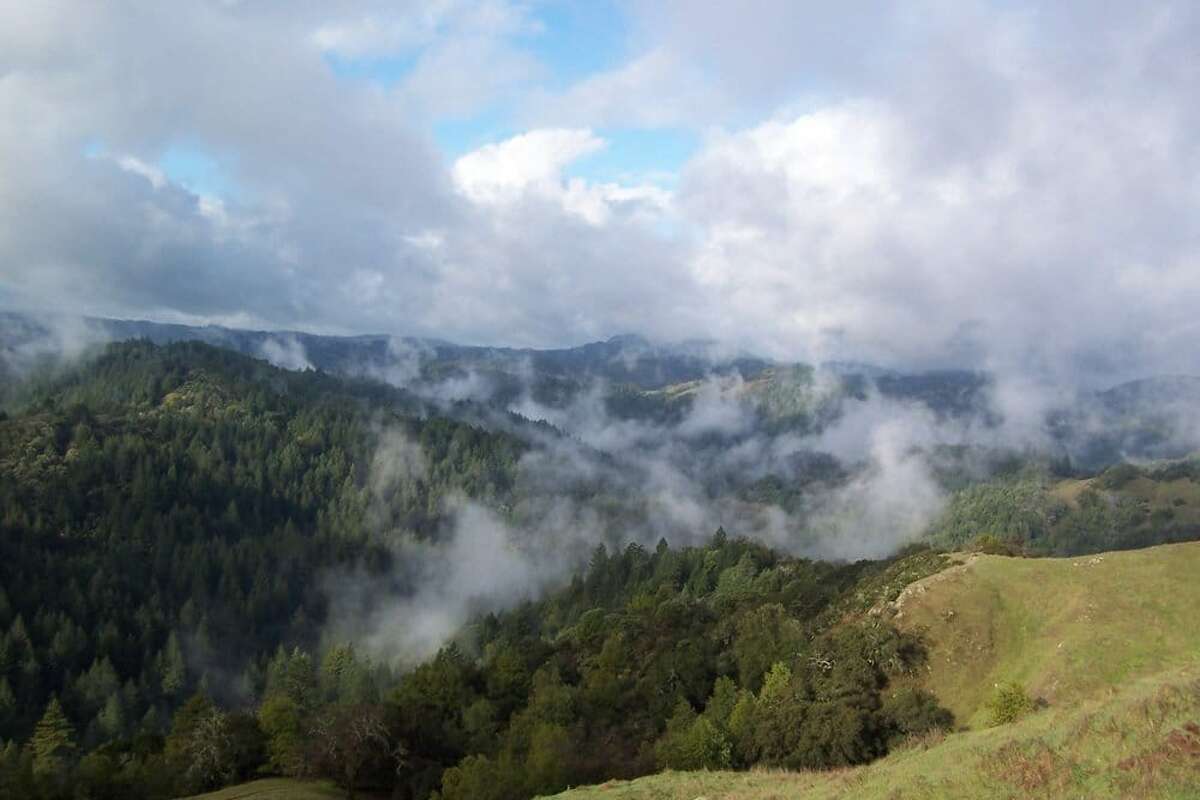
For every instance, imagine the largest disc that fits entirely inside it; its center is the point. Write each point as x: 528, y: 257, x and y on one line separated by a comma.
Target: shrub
x: 1118, y: 475
x: 1009, y: 703
x: 914, y: 712
x: 693, y: 742
x: 992, y: 545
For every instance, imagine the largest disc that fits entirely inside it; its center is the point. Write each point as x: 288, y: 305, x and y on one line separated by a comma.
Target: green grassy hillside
x: 276, y: 789
x: 1064, y: 628
x: 1110, y: 642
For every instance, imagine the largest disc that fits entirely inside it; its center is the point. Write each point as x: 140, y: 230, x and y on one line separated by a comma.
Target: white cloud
x: 653, y: 90
x: 286, y: 352
x: 385, y: 29
x: 930, y: 185
x: 533, y: 160
x: 532, y: 165
x: 138, y: 167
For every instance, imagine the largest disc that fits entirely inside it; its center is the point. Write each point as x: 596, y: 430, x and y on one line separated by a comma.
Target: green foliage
x: 283, y: 723
x: 482, y: 778
x: 1009, y: 703
x: 1117, y: 476
x: 208, y: 747
x: 165, y: 510
x: 1008, y: 509
x: 913, y: 712
x: 1030, y: 514
x: 171, y: 510
x: 53, y: 743
x: 693, y: 742
x: 644, y: 664
x: 993, y: 545
x: 764, y: 636
x: 171, y: 667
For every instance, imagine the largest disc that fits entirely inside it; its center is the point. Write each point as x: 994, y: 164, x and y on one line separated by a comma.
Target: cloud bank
x: 1010, y: 186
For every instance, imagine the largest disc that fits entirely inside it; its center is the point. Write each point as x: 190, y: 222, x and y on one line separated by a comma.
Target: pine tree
x: 173, y: 669
x: 112, y: 717
x: 53, y: 741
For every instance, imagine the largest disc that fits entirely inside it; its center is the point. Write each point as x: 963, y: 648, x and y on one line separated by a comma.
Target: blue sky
x: 579, y: 38
x: 197, y: 170
x: 572, y: 40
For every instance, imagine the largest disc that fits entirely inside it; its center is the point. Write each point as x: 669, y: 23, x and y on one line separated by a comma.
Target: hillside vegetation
x: 1064, y: 628
x: 1108, y: 642
x: 180, y: 523
x: 1122, y: 508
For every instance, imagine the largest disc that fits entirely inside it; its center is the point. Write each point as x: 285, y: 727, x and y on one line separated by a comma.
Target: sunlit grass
x: 1111, y: 644
x: 277, y: 789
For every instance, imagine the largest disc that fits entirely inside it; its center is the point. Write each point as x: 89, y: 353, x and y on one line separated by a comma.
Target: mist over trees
x: 214, y: 568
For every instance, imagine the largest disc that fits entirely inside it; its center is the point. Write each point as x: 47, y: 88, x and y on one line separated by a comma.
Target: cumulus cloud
x: 497, y: 172
x: 1012, y: 187
x: 531, y: 165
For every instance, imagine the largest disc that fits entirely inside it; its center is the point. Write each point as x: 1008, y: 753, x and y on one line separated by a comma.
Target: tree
x: 112, y: 717
x: 16, y: 772
x: 282, y: 721
x: 211, y: 761
x: 53, y: 743
x: 349, y: 738
x: 765, y: 636
x: 172, y: 667
x: 693, y: 742
x: 551, y: 756
x: 178, y: 742
x: 248, y: 745
x: 8, y: 700
x: 912, y: 712
x: 483, y: 778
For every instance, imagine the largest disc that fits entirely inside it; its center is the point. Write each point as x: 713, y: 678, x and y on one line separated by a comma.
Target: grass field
x: 1110, y: 642
x: 278, y: 789
x: 1064, y: 628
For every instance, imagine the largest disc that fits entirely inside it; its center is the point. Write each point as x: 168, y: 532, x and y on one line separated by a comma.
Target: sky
x: 998, y: 185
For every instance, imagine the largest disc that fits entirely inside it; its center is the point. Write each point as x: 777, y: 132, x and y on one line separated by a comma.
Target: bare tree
x: 347, y: 738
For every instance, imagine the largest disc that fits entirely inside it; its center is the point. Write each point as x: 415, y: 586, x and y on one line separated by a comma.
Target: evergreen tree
x: 53, y: 742
x: 172, y: 669
x: 8, y: 700
x: 112, y: 717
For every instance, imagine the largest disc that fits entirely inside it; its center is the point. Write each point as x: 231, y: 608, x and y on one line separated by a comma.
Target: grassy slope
x: 276, y: 789
x: 1112, y: 642
x: 1062, y: 627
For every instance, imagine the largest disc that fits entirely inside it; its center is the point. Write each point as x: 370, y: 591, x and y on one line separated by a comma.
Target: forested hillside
x: 167, y: 513
x: 1033, y: 511
x: 702, y: 658
x: 1069, y: 677
x: 210, y: 568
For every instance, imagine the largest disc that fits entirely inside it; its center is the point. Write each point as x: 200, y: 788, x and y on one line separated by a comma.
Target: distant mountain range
x: 625, y: 359
x: 1150, y: 418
